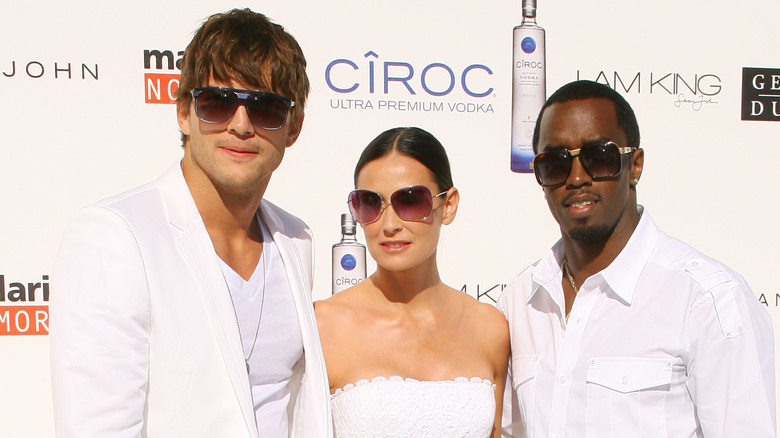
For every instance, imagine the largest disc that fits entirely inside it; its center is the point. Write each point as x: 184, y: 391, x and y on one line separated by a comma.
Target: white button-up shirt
x: 664, y: 342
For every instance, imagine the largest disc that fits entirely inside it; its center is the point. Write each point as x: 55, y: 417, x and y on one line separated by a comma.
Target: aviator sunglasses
x: 217, y: 105
x: 414, y: 203
x: 601, y: 160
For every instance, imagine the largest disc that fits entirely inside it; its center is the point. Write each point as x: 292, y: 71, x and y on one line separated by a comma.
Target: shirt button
x: 563, y: 379
x: 624, y: 380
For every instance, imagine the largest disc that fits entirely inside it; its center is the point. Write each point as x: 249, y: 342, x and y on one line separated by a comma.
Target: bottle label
x: 349, y: 266
x: 348, y: 262
x: 528, y: 93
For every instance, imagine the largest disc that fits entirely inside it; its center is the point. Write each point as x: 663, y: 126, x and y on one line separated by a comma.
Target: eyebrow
x: 558, y: 146
x: 553, y: 147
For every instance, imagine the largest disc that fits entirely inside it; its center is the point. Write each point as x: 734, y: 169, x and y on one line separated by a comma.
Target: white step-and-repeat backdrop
x: 84, y: 113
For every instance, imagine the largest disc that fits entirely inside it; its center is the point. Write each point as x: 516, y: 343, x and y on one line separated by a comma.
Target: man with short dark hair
x: 621, y: 330
x: 183, y: 307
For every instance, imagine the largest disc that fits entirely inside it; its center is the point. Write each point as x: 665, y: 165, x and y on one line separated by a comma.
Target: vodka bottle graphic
x: 349, y: 257
x: 528, y: 86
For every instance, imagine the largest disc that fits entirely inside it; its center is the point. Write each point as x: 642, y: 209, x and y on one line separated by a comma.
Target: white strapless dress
x: 398, y: 407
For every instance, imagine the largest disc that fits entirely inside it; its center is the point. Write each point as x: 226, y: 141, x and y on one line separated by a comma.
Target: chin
x: 589, y: 233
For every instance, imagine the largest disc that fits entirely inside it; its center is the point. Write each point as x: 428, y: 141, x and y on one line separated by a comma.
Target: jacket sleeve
x: 99, y: 332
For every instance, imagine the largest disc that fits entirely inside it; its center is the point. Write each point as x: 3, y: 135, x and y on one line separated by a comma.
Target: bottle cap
x: 529, y: 8
x: 348, y: 225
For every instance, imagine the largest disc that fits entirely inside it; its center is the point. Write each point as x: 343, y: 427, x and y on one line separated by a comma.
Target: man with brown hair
x: 183, y: 307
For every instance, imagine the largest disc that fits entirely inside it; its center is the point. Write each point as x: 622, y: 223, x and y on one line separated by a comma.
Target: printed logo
x: 692, y: 91
x: 483, y: 293
x: 54, y: 70
x: 528, y: 45
x: 28, y: 312
x: 761, y: 94
x: 374, y: 85
x: 161, y: 79
x: 348, y: 262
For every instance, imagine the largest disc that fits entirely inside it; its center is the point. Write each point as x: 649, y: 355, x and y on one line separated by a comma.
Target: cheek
x: 550, y: 198
x: 370, y: 232
x: 427, y: 235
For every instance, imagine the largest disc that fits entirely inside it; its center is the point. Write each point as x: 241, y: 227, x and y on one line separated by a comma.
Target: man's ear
x: 637, y: 163
x: 183, y: 117
x: 295, y: 130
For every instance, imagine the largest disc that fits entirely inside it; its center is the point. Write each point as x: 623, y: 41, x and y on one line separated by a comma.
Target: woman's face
x: 396, y: 244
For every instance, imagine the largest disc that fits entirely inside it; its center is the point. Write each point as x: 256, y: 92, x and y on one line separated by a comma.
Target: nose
x: 240, y: 124
x: 391, y: 223
x: 578, y: 177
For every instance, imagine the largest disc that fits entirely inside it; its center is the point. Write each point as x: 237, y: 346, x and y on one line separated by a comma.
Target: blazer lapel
x: 298, y: 269
x: 198, y: 251
x: 295, y: 247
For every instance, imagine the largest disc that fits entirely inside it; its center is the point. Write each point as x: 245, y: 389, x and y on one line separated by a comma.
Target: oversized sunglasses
x: 601, y: 160
x: 414, y: 203
x: 217, y: 105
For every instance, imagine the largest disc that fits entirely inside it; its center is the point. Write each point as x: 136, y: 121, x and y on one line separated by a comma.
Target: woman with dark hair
x: 406, y: 354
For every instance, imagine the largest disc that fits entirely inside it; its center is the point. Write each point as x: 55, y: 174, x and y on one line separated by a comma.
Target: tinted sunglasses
x: 217, y: 105
x: 413, y: 203
x: 601, y: 160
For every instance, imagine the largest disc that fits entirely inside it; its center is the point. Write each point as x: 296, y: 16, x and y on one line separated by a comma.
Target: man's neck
x: 588, y: 258
x: 230, y: 220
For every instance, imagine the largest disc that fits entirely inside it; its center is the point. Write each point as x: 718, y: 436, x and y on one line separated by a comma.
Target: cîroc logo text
x: 28, y: 309
x: 161, y: 77
x: 761, y: 94
x: 374, y: 84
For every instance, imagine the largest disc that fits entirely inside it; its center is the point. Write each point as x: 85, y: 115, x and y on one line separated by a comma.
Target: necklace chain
x: 567, y: 271
x: 262, y: 304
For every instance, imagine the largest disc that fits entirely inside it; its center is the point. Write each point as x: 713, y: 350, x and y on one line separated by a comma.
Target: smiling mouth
x: 239, y: 152
x: 394, y: 246
x: 581, y: 200
x: 580, y: 204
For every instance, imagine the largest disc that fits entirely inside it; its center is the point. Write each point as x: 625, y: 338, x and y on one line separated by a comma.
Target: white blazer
x: 144, y: 339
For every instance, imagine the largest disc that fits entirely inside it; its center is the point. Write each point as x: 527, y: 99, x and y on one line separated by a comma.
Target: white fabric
x: 269, y: 329
x: 397, y: 407
x: 144, y: 340
x: 664, y: 342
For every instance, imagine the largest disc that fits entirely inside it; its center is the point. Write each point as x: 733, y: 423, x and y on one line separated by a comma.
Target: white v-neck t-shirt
x: 270, y: 334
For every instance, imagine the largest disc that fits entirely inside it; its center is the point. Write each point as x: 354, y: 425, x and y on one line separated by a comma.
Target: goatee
x: 590, y: 233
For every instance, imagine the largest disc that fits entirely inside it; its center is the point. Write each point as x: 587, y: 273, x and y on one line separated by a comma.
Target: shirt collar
x: 621, y: 276
x: 547, y: 273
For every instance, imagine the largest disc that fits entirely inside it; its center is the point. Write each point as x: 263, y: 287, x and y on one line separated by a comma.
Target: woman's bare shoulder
x: 485, y: 318
x: 341, y: 308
